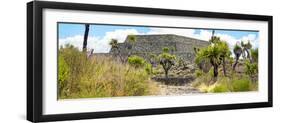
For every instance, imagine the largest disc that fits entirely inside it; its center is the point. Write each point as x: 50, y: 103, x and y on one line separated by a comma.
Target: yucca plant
x: 251, y: 69
x: 216, y: 53
x: 255, y: 54
x: 245, y: 50
x: 116, y: 49
x: 237, y: 50
x: 166, y: 60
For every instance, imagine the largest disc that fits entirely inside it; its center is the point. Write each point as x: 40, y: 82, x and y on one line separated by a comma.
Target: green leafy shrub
x: 100, y: 76
x: 220, y: 88
x: 235, y: 83
x: 223, y: 84
x: 148, y: 68
x: 76, y: 62
x: 198, y: 73
x: 255, y: 54
x: 202, y: 80
x: 136, y: 61
x: 181, y: 62
x: 63, y: 74
x: 251, y: 69
x: 211, y: 73
x: 215, y: 54
x: 132, y: 38
x: 241, y: 84
x: 166, y: 60
x: 165, y: 49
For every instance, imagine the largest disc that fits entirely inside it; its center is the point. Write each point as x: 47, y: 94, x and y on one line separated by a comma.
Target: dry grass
x: 102, y: 76
x: 231, y: 83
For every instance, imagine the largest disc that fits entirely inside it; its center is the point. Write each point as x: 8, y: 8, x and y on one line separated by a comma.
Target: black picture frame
x: 35, y: 69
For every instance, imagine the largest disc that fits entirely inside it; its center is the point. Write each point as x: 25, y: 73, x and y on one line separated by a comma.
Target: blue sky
x: 100, y: 35
x: 67, y: 30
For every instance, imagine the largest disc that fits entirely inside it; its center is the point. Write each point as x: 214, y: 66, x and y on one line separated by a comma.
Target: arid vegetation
x: 214, y: 68
x: 224, y: 76
x: 100, y: 76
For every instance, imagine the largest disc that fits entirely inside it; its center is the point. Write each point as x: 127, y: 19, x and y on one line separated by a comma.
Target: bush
x: 63, y: 74
x: 100, y: 76
x: 75, y: 61
x: 251, y: 69
x: 241, y: 84
x: 211, y: 72
x: 165, y: 49
x: 255, y: 54
x: 198, y: 73
x: 220, y: 88
x: 136, y: 61
x: 202, y: 81
x: 148, y: 68
x: 223, y: 84
x: 235, y: 83
x: 166, y: 60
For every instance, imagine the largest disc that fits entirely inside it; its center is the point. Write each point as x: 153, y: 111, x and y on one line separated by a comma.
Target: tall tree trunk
x: 166, y: 74
x: 243, y: 53
x: 249, y: 56
x: 236, y: 61
x: 216, y: 71
x: 223, y: 66
x: 86, y: 37
x: 234, y: 65
x: 166, y: 69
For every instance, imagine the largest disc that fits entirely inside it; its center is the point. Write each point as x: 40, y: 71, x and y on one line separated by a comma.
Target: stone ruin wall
x: 146, y: 44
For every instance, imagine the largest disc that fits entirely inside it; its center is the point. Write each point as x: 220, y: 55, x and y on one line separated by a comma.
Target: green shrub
x: 76, y: 62
x: 166, y: 60
x: 220, y: 88
x: 202, y: 80
x: 255, y: 54
x: 148, y: 68
x: 198, y: 73
x: 251, y: 69
x: 211, y: 72
x: 233, y: 83
x: 241, y: 84
x: 166, y: 49
x: 136, y: 61
x: 231, y: 60
x: 223, y: 84
x: 100, y: 76
x: 63, y: 74
x: 63, y: 69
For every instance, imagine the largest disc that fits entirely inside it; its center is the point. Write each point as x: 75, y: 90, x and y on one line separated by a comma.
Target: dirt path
x: 177, y: 90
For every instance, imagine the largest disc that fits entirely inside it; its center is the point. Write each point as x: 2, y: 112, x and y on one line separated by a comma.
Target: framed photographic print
x: 95, y: 61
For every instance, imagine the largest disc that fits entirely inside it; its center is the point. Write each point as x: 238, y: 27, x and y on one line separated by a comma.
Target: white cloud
x: 99, y: 44
x: 77, y: 41
x: 182, y: 32
x: 203, y: 35
x: 253, y: 40
x: 120, y: 34
x: 228, y: 38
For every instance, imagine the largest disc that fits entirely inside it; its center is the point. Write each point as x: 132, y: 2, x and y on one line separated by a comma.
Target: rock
x: 177, y: 90
x: 174, y: 80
